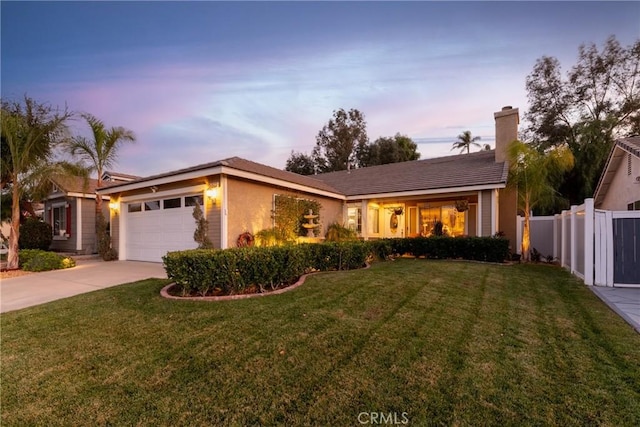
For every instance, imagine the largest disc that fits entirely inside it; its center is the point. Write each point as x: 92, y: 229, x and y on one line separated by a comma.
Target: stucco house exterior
x: 70, y: 209
x: 619, y: 185
x: 467, y: 193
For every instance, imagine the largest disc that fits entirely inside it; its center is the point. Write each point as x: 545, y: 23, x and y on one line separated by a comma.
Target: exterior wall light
x: 212, y: 193
x: 114, y: 206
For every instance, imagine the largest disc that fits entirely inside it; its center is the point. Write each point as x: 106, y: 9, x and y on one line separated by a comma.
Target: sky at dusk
x: 203, y: 81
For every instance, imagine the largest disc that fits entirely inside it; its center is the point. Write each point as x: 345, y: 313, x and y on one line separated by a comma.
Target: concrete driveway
x: 87, y: 276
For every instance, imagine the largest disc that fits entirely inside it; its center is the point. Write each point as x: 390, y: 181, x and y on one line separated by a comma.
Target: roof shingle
x: 460, y: 170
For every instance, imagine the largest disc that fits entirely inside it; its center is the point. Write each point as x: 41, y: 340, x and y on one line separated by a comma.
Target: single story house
x: 70, y: 209
x: 467, y: 193
x: 619, y: 185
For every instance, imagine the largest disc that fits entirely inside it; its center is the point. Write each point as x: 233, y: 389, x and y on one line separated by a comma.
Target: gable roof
x: 118, y: 176
x: 255, y: 170
x: 446, y: 173
x: 621, y: 148
x: 461, y: 170
x: 75, y: 184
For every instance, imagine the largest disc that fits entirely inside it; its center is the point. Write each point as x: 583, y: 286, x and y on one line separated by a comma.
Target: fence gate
x: 626, y: 259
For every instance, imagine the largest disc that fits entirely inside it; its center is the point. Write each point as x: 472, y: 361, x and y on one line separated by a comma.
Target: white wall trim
x: 122, y: 230
x: 494, y: 212
x: 79, y: 224
x: 73, y: 194
x: 164, y: 194
x: 224, y: 213
x: 444, y: 191
x: 479, y: 215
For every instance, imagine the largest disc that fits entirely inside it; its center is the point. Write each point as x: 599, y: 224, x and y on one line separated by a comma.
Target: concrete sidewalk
x: 624, y: 301
x: 87, y: 276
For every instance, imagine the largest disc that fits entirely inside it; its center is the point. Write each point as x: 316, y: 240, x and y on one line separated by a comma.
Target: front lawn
x: 431, y: 342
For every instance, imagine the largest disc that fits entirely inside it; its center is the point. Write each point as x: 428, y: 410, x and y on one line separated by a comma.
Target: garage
x: 157, y: 226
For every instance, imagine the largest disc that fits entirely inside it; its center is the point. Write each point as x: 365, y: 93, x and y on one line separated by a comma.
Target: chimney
x: 507, y: 121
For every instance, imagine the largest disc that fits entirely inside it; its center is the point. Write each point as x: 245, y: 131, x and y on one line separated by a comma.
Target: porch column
x: 479, y: 215
x: 364, y: 212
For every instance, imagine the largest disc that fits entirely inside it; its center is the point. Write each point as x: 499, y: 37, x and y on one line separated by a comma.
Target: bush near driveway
x: 241, y: 270
x: 37, y: 260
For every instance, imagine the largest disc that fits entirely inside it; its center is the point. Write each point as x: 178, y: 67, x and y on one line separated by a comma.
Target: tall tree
x: 339, y: 141
x: 532, y: 173
x: 100, y: 152
x: 301, y: 163
x: 30, y: 132
x: 385, y: 150
x: 465, y: 141
x: 597, y: 102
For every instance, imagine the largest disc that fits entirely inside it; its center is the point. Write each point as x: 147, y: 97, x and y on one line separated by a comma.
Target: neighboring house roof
x: 118, y: 176
x: 235, y: 163
x: 461, y: 170
x: 621, y: 148
x: 73, y: 184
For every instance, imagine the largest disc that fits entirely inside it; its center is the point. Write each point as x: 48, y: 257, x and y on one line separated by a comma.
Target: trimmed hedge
x: 489, y: 249
x: 38, y: 260
x: 234, y: 271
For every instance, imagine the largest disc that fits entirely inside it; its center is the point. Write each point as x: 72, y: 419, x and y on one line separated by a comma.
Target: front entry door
x: 394, y: 218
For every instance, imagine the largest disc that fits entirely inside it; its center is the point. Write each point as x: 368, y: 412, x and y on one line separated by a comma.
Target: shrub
x: 105, y: 250
x: 338, y: 233
x: 272, y: 237
x: 201, y: 235
x: 35, y: 234
x: 233, y: 271
x: 39, y: 260
x: 491, y: 249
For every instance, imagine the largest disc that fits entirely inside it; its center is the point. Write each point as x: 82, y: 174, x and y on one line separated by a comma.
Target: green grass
x: 447, y: 343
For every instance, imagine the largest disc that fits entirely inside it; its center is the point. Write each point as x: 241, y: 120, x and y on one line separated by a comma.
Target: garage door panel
x: 151, y: 234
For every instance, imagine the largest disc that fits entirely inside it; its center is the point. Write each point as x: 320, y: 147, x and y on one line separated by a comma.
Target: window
x: 374, y: 220
x: 172, y: 203
x: 193, y: 200
x: 635, y: 206
x: 354, y: 219
x: 629, y: 164
x: 60, y: 221
x: 152, y: 205
x: 135, y: 207
x: 453, y: 222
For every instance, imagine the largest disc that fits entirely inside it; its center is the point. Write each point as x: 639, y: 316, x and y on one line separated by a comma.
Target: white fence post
x: 556, y: 255
x: 588, y: 241
x: 519, y: 235
x: 574, y: 252
x: 609, y: 245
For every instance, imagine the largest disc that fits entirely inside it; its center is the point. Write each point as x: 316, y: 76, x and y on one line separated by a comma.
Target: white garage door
x: 155, y: 227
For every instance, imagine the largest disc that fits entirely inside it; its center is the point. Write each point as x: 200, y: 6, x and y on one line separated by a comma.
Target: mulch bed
x: 8, y: 274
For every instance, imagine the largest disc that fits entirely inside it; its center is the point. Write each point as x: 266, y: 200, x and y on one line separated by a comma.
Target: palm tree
x: 465, y: 141
x: 30, y: 132
x: 100, y: 152
x: 530, y: 173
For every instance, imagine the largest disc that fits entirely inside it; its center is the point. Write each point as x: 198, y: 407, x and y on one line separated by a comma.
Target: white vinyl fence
x: 600, y: 247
